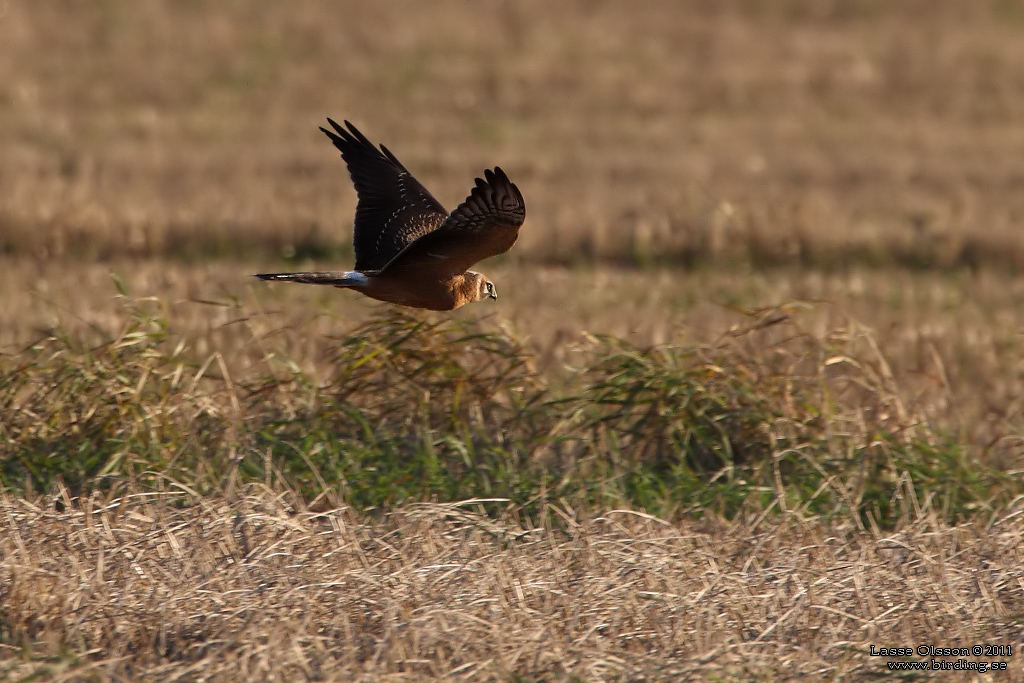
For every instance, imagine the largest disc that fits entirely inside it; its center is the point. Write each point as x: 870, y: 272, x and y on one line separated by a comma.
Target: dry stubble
x: 256, y: 586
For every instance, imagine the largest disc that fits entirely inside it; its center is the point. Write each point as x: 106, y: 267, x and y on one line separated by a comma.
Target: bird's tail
x: 337, y: 278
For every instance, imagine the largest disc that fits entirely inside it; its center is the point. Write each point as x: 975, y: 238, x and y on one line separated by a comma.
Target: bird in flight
x: 408, y: 249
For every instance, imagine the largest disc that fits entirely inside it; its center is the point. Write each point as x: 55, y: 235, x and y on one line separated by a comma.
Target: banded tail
x: 337, y: 278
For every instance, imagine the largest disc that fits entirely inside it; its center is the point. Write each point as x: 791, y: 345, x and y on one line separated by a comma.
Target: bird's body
x: 409, y: 250
x: 402, y: 288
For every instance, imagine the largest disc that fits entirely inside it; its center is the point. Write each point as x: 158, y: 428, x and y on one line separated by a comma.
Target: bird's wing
x: 394, y: 208
x: 484, y: 225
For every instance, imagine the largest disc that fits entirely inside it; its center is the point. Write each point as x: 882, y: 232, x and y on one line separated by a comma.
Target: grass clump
x: 407, y: 408
x: 92, y: 415
x: 788, y: 420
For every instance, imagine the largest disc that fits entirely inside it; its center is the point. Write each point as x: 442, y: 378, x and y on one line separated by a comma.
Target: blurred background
x: 681, y: 161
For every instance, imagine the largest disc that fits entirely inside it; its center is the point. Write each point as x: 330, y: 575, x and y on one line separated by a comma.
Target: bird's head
x: 484, y: 287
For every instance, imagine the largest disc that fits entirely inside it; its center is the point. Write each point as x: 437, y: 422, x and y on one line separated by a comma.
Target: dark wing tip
x: 352, y: 144
x: 496, y: 178
x: 339, y: 136
x: 392, y: 157
x: 501, y: 176
x: 331, y: 134
x: 355, y: 133
x: 344, y: 138
x: 497, y: 190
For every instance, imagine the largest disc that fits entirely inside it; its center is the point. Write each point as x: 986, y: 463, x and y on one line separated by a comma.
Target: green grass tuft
x: 410, y: 408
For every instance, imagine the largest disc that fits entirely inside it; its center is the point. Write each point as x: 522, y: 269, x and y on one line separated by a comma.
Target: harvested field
x: 255, y: 586
x: 776, y: 133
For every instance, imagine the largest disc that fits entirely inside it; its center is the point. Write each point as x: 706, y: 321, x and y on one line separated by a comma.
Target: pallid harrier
x: 408, y: 249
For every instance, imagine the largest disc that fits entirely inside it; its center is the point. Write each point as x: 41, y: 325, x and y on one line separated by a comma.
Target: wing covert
x: 393, y: 208
x: 486, y: 224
